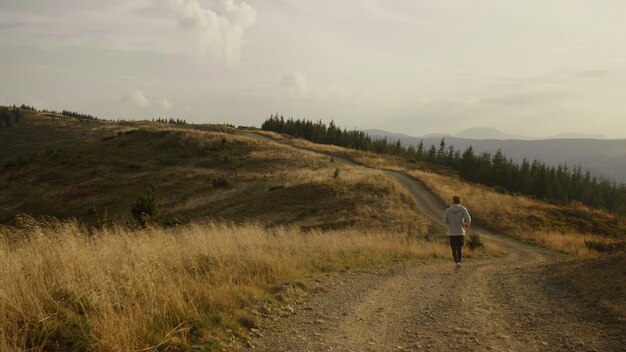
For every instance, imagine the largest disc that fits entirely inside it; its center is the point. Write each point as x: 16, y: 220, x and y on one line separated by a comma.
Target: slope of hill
x: 563, y: 228
x: 95, y: 170
x: 603, y: 158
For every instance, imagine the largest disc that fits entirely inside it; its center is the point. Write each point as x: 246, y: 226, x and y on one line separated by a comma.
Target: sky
x: 536, y: 68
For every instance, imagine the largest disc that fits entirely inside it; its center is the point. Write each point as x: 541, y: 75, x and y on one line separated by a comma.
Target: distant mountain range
x: 492, y: 133
x: 602, y: 157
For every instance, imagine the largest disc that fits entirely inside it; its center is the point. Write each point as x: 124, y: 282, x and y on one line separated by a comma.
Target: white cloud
x: 164, y: 104
x: 214, y: 30
x: 218, y: 31
x: 136, y: 99
x: 300, y: 88
x: 296, y: 83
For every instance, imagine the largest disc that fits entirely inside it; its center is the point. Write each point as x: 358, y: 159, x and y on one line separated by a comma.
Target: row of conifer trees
x: 9, y: 116
x: 74, y: 114
x: 560, y: 184
x: 16, y: 113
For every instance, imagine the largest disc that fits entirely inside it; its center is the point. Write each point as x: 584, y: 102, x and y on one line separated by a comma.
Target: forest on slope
x: 560, y: 184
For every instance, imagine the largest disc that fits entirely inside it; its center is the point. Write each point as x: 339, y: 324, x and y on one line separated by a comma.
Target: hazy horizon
x: 479, y: 130
x: 523, y: 67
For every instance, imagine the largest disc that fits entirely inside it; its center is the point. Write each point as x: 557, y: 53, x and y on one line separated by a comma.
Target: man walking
x: 458, y: 219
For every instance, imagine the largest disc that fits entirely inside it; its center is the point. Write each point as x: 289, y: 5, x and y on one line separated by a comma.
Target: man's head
x: 456, y: 199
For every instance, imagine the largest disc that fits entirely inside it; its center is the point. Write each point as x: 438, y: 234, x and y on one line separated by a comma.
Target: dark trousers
x: 456, y: 243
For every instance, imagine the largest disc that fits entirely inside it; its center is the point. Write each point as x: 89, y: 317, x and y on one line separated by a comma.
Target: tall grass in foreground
x: 63, y: 287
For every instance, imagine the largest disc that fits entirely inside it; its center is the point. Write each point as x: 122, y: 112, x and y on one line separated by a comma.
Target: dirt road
x: 497, y: 304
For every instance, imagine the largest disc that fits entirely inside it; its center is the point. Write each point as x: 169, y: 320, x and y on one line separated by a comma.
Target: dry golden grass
x: 504, y: 212
x: 515, y: 215
x: 369, y: 159
x: 519, y: 216
x: 65, y: 288
x: 568, y: 242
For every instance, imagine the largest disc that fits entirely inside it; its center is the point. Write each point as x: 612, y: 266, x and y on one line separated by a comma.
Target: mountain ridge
x: 602, y: 157
x: 493, y: 133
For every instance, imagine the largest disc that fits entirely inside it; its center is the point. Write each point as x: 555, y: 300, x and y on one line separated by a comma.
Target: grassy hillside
x: 95, y: 170
x: 557, y: 227
x: 563, y: 228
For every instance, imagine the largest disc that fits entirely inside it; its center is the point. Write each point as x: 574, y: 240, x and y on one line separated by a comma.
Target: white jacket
x: 456, y: 216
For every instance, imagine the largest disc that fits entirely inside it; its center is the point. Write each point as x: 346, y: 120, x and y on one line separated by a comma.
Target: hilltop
x: 94, y: 170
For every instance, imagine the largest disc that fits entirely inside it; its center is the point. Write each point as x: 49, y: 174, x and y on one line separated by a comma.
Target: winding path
x: 497, y: 304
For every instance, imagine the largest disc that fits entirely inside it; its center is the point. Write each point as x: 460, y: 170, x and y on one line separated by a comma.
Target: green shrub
x: 220, y: 182
x: 500, y: 189
x: 605, y: 247
x: 475, y: 241
x: 145, y: 208
x: 133, y: 166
